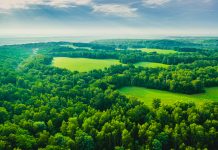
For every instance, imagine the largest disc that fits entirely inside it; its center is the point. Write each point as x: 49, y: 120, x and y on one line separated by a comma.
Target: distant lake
x: 24, y: 40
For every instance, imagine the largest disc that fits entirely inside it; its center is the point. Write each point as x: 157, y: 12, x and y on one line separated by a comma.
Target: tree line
x: 134, y: 56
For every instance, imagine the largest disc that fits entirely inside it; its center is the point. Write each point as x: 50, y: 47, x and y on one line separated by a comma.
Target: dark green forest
x: 45, y: 107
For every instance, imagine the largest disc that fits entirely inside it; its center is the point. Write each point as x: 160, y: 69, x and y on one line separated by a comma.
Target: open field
x: 73, y: 46
x: 147, y: 95
x: 160, y: 51
x: 83, y: 64
x: 211, y: 94
x: 151, y: 65
x: 150, y: 50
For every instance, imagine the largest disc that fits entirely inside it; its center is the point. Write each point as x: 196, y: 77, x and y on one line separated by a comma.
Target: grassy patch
x: 151, y: 64
x: 83, y: 64
x: 147, y: 95
x: 160, y: 51
x: 72, y: 46
x: 211, y: 94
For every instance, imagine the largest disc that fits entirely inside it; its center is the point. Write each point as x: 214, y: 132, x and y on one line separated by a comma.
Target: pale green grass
x: 73, y: 46
x: 68, y: 45
x: 211, y: 94
x: 151, y: 65
x: 160, y: 51
x: 83, y: 64
x: 147, y: 95
x: 149, y: 50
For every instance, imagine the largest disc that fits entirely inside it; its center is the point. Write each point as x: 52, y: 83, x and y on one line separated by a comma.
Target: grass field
x: 151, y: 64
x: 160, y: 51
x: 83, y: 64
x: 147, y: 95
x: 72, y: 46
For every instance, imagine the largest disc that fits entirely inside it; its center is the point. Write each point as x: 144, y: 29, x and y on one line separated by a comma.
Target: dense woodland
x: 44, y: 107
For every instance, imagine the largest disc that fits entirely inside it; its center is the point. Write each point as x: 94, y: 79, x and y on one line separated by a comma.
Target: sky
x: 126, y: 18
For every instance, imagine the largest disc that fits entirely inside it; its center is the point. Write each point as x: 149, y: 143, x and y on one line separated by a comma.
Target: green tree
x: 63, y: 142
x: 156, y: 103
x: 84, y: 141
x: 43, y: 138
x: 126, y: 139
x: 156, y: 145
x: 4, y: 114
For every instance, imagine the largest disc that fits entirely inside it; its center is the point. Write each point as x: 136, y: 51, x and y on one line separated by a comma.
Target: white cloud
x: 67, y: 3
x: 115, y: 9
x: 121, y: 10
x: 17, y: 4
x: 155, y: 2
x: 81, y: 2
x: 25, y: 4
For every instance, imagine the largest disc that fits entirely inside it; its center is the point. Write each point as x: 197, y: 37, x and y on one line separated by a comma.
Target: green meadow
x: 151, y: 65
x: 147, y: 95
x: 160, y: 51
x: 83, y: 64
x: 73, y: 46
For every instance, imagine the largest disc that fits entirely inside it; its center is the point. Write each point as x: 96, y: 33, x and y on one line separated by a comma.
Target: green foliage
x: 156, y: 145
x: 126, y: 139
x: 84, y: 141
x: 61, y: 142
x: 160, y: 51
x: 4, y: 115
x: 156, y: 103
x: 177, y: 44
x: 45, y: 107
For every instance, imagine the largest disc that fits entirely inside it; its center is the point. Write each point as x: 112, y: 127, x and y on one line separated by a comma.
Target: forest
x: 48, y: 108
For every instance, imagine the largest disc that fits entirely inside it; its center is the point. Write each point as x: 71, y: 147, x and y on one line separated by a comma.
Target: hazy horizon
x: 11, y: 40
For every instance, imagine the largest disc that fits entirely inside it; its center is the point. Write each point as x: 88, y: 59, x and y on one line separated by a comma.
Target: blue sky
x: 108, y: 17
